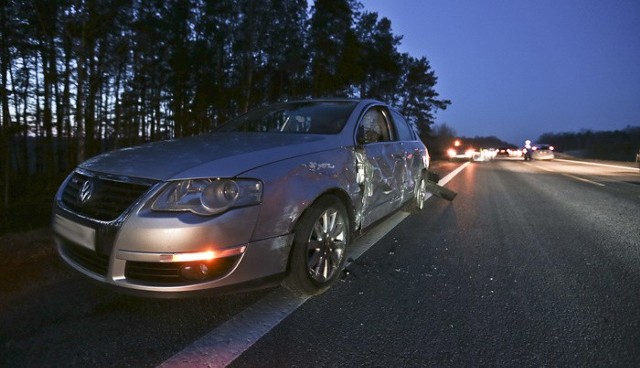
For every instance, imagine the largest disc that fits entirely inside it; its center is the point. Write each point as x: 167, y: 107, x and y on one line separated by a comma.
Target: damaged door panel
x: 381, y: 162
x: 381, y: 177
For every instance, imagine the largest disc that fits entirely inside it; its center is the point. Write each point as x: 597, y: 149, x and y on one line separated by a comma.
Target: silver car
x: 275, y: 195
x: 542, y: 152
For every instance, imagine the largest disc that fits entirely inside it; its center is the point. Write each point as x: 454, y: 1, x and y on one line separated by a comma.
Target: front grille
x: 107, y: 198
x: 168, y: 274
x: 86, y: 258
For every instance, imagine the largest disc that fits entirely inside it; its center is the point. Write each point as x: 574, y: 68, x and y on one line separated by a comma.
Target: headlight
x: 208, y: 196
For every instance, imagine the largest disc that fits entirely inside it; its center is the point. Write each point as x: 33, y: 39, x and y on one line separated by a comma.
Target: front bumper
x: 164, y: 255
x: 263, y: 263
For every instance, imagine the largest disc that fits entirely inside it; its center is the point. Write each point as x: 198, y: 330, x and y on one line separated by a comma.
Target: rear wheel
x: 419, y: 195
x: 319, y: 247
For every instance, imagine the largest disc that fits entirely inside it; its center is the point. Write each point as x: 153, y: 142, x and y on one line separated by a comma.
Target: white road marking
x: 570, y: 176
x: 224, y: 344
x: 452, y: 174
x: 584, y: 180
x: 598, y: 164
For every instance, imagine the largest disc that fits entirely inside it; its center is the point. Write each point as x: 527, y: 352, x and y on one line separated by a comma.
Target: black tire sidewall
x: 298, y: 279
x: 413, y: 203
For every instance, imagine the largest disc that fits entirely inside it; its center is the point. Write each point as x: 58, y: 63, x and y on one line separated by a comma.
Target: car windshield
x: 294, y: 117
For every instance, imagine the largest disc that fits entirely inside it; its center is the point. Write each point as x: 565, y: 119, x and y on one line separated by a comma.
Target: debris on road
x: 438, y: 190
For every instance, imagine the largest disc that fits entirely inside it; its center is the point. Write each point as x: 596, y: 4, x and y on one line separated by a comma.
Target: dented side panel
x: 294, y: 184
x: 383, y: 179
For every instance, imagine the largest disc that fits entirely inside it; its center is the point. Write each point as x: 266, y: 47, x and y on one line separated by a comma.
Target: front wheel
x: 319, y: 247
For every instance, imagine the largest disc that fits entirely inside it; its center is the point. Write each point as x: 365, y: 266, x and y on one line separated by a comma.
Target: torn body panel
x: 382, y: 172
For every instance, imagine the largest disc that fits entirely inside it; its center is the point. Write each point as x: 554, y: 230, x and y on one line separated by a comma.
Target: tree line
x: 80, y: 77
x: 620, y: 145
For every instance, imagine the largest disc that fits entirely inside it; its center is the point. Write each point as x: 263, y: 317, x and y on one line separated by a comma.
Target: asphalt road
x: 533, y: 264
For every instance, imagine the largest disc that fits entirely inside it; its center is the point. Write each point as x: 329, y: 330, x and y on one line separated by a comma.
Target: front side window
x: 373, y: 127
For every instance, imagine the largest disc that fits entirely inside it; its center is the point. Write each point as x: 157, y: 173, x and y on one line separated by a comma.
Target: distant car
x: 503, y: 152
x: 484, y: 154
x: 489, y: 153
x: 274, y: 195
x: 542, y: 152
x: 460, y: 152
x: 516, y: 153
x: 508, y: 152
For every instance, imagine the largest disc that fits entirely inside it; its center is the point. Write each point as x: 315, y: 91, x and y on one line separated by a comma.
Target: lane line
x: 452, y: 174
x: 225, y: 343
x: 597, y: 164
x: 584, y: 180
x: 569, y: 175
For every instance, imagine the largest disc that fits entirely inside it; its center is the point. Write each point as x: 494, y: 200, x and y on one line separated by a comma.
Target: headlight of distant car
x: 452, y: 153
x: 208, y: 196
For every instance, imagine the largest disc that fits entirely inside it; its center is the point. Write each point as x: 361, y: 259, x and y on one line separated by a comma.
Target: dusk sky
x: 517, y: 69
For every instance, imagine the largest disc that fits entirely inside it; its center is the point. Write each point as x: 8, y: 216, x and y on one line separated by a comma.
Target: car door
x: 381, y: 163
x: 412, y: 151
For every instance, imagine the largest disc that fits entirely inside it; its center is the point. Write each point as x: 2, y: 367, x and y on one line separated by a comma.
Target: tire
x: 420, y: 192
x: 319, y: 247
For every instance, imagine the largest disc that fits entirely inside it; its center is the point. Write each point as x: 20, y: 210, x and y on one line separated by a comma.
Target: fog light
x: 194, y: 272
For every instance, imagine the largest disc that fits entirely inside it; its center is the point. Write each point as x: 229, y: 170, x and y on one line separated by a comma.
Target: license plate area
x: 82, y: 235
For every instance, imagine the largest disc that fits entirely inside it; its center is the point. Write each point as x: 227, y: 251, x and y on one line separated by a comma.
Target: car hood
x: 209, y: 155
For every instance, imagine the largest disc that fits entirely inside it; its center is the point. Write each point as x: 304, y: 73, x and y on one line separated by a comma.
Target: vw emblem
x: 86, y: 191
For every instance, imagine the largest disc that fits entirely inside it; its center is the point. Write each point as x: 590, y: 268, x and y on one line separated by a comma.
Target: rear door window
x: 405, y: 133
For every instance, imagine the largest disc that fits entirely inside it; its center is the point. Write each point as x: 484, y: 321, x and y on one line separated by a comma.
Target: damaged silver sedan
x: 273, y: 196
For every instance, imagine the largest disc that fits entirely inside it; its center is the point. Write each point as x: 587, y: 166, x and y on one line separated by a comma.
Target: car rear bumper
x: 542, y: 157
